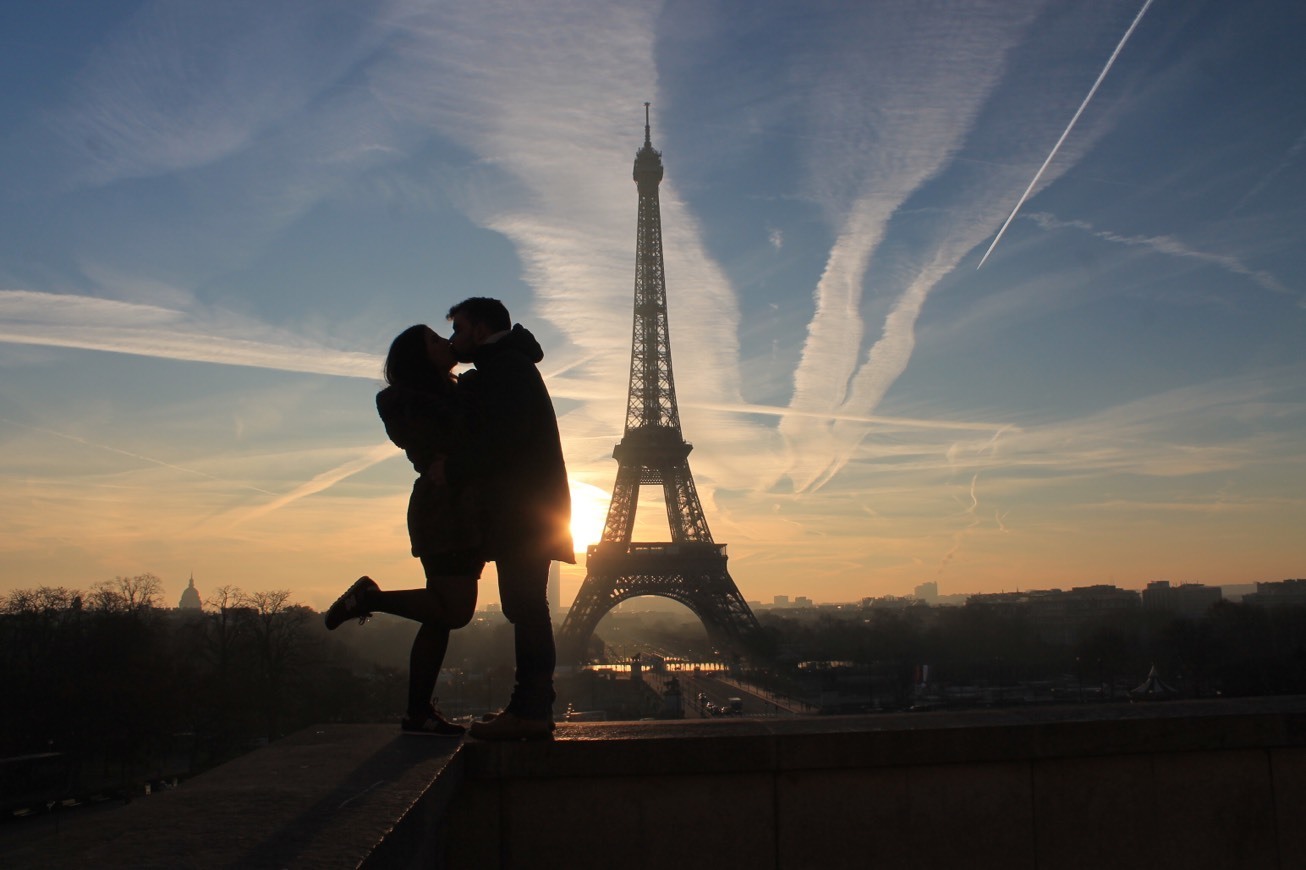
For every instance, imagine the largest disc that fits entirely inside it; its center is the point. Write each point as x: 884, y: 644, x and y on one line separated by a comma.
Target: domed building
x: 190, y: 597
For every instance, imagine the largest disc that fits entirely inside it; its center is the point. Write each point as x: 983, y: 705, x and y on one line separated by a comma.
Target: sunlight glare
x: 589, y: 511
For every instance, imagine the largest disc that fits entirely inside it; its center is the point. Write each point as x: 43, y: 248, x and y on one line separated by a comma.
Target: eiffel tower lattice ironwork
x: 691, y: 567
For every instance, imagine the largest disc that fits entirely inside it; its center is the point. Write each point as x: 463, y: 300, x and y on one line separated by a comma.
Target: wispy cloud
x: 972, y: 513
x: 91, y: 323
x: 1289, y: 158
x: 76, y: 439
x: 886, y: 421
x: 321, y: 481
x: 1223, y: 425
x: 907, y: 144
x: 973, y: 190
x: 180, y: 86
x: 1172, y: 247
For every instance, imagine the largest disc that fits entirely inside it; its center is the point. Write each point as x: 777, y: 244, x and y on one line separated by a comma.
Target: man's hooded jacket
x: 514, y: 454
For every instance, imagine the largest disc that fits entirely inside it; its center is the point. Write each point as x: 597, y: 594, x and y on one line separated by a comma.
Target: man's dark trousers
x: 523, y: 592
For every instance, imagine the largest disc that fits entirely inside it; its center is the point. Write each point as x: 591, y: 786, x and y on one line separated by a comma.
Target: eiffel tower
x: 691, y: 567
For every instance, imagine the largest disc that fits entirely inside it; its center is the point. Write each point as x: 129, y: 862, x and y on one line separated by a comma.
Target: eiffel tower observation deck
x: 690, y: 567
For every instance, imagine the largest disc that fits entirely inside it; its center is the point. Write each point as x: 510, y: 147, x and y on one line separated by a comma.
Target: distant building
x: 1284, y: 593
x: 781, y: 601
x: 928, y: 592
x: 190, y: 597
x: 802, y: 601
x: 1060, y: 616
x: 1189, y: 600
x: 891, y: 602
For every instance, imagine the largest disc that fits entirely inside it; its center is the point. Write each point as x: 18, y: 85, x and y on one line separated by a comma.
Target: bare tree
x: 127, y: 594
x: 142, y: 592
x: 225, y: 603
x: 278, y: 631
x: 224, y: 597
x: 44, y: 599
x: 36, y: 619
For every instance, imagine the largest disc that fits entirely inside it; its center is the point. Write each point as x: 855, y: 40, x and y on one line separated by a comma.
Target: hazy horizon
x: 217, y: 217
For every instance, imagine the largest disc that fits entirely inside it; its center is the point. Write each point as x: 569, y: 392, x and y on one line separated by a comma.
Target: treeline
x: 1233, y: 650
x: 123, y: 689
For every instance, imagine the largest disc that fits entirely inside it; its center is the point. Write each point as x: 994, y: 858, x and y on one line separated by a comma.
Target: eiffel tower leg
x: 592, y: 603
x: 684, y: 511
x: 724, y: 613
x: 620, y: 523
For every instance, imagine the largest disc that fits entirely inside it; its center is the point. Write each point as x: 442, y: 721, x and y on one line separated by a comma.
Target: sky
x: 214, y: 218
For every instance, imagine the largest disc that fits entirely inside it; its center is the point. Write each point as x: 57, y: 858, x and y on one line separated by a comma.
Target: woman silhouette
x: 421, y: 413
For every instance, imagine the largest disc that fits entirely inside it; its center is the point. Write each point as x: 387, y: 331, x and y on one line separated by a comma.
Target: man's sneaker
x: 510, y: 726
x: 350, y: 605
x: 431, y: 724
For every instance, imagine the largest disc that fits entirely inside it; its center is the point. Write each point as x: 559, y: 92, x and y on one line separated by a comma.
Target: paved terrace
x: 1218, y: 784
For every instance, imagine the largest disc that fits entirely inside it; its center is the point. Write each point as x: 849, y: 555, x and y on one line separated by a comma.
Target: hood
x: 519, y: 340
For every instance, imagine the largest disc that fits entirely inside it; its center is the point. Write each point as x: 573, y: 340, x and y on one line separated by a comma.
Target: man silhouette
x: 515, y: 460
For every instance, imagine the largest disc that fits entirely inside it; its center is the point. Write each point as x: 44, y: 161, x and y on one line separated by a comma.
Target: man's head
x: 474, y: 320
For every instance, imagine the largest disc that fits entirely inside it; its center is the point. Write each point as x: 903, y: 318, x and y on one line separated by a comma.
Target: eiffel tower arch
x: 691, y: 567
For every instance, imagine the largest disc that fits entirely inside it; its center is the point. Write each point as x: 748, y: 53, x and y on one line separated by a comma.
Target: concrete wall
x: 1218, y: 784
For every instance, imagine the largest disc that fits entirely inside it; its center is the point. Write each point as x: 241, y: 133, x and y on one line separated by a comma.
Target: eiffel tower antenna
x: 691, y: 567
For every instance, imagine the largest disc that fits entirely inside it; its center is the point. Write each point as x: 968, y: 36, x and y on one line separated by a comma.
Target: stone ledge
x: 328, y: 796
x: 708, y: 746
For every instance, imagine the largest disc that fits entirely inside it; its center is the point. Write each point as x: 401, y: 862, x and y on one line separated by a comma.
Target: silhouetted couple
x: 491, y: 486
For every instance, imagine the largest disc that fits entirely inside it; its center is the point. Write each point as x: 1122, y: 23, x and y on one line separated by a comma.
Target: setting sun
x: 589, y: 510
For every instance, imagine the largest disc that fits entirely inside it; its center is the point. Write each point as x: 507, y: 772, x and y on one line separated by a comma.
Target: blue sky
x: 215, y: 216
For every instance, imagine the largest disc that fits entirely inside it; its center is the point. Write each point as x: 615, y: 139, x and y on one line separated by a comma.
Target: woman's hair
x: 407, y: 363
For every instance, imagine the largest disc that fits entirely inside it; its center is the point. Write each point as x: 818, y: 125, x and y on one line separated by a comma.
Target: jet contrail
x: 78, y: 440
x: 1091, y: 91
x: 325, y: 480
x: 900, y: 422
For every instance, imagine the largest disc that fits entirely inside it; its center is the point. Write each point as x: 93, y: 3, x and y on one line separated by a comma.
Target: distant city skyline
x: 215, y: 218
x: 1231, y: 591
